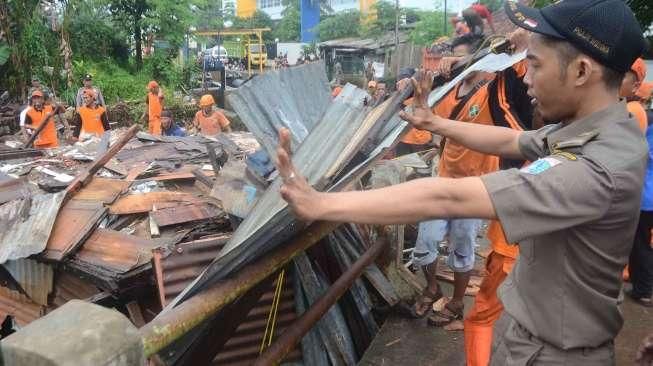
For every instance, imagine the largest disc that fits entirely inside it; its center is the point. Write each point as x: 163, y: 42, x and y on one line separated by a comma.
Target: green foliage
x: 288, y: 28
x: 93, y: 36
x: 429, y: 28
x: 340, y: 25
x: 542, y: 3
x: 5, y: 52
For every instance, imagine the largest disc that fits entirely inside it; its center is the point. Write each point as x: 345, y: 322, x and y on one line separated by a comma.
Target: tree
x: 428, y: 28
x: 340, y: 25
x: 288, y: 29
x: 259, y: 19
x: 132, y: 13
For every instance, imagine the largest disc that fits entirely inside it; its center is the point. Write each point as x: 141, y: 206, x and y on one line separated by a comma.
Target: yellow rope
x: 272, y: 316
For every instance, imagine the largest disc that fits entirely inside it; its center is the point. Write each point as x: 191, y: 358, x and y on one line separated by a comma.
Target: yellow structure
x: 257, y: 32
x: 245, y: 8
x: 367, y: 10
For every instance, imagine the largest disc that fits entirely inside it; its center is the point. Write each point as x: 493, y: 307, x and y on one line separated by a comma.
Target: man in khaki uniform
x: 573, y: 210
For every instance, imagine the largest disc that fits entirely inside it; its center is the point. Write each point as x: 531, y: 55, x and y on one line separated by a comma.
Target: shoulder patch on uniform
x: 540, y: 165
x: 567, y: 155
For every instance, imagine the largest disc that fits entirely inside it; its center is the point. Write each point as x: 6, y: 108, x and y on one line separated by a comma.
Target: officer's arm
x: 410, y: 202
x: 492, y: 140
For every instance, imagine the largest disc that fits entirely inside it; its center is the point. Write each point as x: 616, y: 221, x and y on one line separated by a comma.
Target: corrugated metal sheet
x: 185, y: 213
x: 11, y: 188
x: 176, y: 267
x: 386, y: 40
x: 143, y: 202
x: 102, y: 189
x: 491, y: 63
x: 34, y: 277
x: 19, y: 306
x: 68, y: 287
x: 75, y: 221
x: 115, y: 251
x: 269, y: 222
x: 296, y: 100
x: 26, y: 224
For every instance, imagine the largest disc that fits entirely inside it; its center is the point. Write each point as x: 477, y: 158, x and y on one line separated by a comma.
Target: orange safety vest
x: 212, y: 124
x: 48, y: 137
x: 154, y: 109
x: 91, y: 120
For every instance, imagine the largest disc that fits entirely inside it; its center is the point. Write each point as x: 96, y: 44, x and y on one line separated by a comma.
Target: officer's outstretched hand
x: 303, y: 200
x: 421, y: 117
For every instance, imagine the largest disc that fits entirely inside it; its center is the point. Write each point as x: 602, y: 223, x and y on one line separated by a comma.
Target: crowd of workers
x: 553, y: 151
x: 91, y: 118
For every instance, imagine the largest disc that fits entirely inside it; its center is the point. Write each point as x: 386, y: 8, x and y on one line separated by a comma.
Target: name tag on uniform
x: 540, y: 165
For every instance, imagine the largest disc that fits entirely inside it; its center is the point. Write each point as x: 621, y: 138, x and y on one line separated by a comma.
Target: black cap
x: 405, y: 73
x: 88, y: 77
x: 606, y: 30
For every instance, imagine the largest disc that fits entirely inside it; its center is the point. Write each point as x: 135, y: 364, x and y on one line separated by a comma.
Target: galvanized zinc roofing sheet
x: 26, y: 223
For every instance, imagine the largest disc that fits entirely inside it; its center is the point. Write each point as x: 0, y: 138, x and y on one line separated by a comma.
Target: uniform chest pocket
x: 527, y: 250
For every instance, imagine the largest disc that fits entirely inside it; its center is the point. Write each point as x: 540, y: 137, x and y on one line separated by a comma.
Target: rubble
x: 141, y: 223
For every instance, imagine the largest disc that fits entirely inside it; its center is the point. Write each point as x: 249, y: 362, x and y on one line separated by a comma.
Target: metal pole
x: 172, y: 325
x: 444, y: 17
x: 396, y: 56
x: 294, y: 333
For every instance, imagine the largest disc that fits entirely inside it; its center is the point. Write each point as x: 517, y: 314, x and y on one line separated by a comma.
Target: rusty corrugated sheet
x: 68, y: 287
x: 75, y: 221
x: 19, y: 306
x: 185, y: 213
x: 26, y: 224
x: 143, y: 202
x: 102, y: 189
x: 179, y: 266
x: 176, y: 267
x: 115, y: 251
x: 35, y: 278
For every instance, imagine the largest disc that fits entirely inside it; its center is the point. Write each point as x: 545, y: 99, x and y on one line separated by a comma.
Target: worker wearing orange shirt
x: 629, y: 87
x: 40, y: 113
x: 208, y: 120
x: 154, y: 107
x: 91, y: 119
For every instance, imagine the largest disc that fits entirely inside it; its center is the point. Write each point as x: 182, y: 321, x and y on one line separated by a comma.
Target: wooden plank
x: 74, y: 223
x: 185, y: 213
x: 143, y: 202
x: 135, y: 314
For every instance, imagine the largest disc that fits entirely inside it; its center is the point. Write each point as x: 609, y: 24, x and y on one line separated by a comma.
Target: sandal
x: 424, y: 303
x: 446, y: 316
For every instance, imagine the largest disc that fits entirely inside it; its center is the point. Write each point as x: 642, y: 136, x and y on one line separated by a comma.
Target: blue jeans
x: 462, y: 238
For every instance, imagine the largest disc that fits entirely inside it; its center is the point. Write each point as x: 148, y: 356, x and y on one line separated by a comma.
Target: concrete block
x: 78, y: 333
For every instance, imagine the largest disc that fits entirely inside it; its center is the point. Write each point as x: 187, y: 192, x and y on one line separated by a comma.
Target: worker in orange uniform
x: 208, y: 120
x: 39, y: 113
x: 487, y: 307
x: 629, y: 87
x: 154, y: 108
x: 91, y: 119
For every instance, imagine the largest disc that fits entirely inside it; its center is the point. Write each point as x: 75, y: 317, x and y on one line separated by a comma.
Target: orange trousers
x: 486, y: 310
x: 154, y: 126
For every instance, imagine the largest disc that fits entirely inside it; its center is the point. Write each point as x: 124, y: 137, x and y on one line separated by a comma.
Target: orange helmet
x: 152, y: 84
x: 37, y: 93
x: 639, y: 69
x: 206, y: 100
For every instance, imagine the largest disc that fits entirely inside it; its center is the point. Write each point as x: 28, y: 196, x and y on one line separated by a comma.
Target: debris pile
x: 141, y: 223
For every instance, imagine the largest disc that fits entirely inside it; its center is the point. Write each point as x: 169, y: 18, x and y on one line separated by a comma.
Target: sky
x: 452, y: 5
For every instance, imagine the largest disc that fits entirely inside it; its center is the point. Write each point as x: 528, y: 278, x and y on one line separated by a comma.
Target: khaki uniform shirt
x: 573, y: 212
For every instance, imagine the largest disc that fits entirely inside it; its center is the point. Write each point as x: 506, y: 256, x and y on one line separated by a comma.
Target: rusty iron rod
x: 172, y: 325
x: 294, y: 333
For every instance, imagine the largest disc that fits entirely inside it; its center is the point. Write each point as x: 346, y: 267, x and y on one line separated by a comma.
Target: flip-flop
x: 425, y: 301
x: 446, y: 316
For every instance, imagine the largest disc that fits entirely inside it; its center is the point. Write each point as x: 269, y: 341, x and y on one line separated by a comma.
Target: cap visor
x: 530, y: 19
